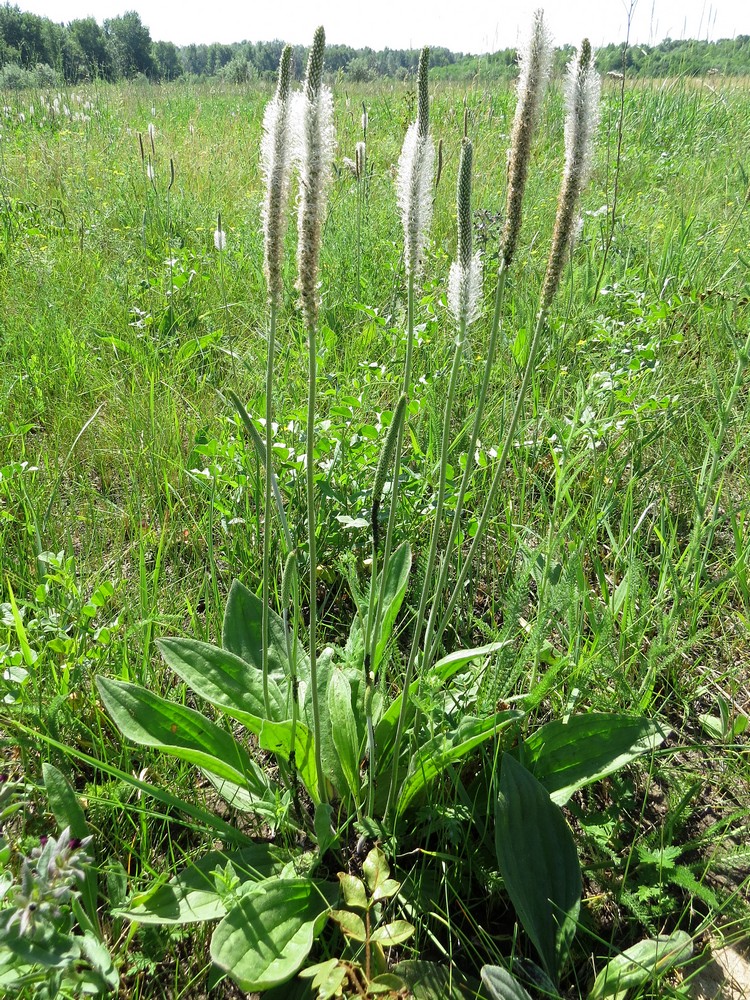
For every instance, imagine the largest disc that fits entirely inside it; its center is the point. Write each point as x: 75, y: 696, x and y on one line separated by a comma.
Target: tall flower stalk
x: 316, y: 142
x: 464, y: 289
x: 414, y: 190
x: 582, y: 100
x: 276, y: 158
x: 535, y: 59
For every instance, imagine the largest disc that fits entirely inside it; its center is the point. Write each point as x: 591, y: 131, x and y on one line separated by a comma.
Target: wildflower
x: 316, y: 140
x: 415, y: 168
x: 582, y: 99
x: 365, y: 120
x: 465, y: 278
x: 151, y: 131
x: 276, y: 161
x: 360, y: 160
x: 220, y: 237
x: 150, y: 170
x: 534, y: 59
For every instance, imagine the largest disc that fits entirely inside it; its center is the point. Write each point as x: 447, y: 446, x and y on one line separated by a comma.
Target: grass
x: 617, y: 563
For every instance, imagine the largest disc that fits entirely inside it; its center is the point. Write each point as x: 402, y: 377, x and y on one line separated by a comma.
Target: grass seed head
x: 415, y: 171
x: 465, y: 278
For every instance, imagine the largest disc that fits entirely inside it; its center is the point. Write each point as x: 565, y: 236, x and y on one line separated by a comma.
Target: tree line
x: 35, y: 49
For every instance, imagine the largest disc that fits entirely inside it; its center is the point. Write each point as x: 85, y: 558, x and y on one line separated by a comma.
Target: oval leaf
x: 538, y: 861
x: 265, y: 938
x: 644, y: 962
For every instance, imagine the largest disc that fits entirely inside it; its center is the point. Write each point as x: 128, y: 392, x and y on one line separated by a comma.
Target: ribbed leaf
x: 396, y: 582
x: 266, y: 937
x: 277, y: 737
x: 538, y: 861
x: 501, y: 985
x: 242, y: 634
x: 566, y: 756
x: 645, y: 962
x: 151, y: 721
x: 344, y: 733
x: 224, y: 680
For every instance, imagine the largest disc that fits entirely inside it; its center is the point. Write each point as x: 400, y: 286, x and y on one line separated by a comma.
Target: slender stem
x: 312, y: 548
x: 494, y: 486
x: 267, y: 506
x: 373, y: 629
x: 374, y: 612
x: 432, y: 554
x: 478, y: 416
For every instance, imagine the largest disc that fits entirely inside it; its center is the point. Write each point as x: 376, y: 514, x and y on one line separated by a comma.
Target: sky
x: 474, y: 26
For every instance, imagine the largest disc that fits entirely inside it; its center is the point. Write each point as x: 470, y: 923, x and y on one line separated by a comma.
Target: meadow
x: 612, y: 581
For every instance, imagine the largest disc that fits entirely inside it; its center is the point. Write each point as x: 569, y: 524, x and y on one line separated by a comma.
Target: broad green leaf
x: 151, y: 721
x: 328, y: 754
x: 439, y: 753
x: 566, y: 756
x: 393, y: 933
x: 264, y: 939
x: 353, y: 891
x: 351, y: 924
x: 269, y: 804
x: 645, y: 962
x: 64, y: 802
x: 242, y: 634
x: 344, y: 733
x: 444, y: 669
x: 396, y: 582
x: 501, y: 985
x: 224, y: 680
x: 277, y: 737
x: 103, y: 973
x: 67, y: 811
x: 538, y: 861
x: 193, y: 895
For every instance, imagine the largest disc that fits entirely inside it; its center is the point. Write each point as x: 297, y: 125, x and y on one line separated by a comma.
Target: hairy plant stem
x: 431, y: 556
x: 312, y: 548
x: 471, y: 449
x: 494, y: 486
x: 267, y: 504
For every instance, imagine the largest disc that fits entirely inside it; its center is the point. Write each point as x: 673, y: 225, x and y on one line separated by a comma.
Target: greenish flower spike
x: 314, y: 77
x: 465, y: 278
x: 423, y: 94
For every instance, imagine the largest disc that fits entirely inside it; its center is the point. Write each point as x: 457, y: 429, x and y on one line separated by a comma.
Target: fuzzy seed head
x: 316, y: 140
x: 360, y: 160
x: 582, y: 99
x: 535, y: 59
x: 220, y: 237
x: 276, y: 161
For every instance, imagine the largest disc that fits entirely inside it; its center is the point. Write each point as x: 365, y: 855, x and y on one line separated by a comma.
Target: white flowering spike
x: 415, y: 171
x: 465, y: 278
x: 276, y: 160
x: 360, y: 160
x: 535, y: 59
x: 582, y: 100
x: 316, y: 147
x: 220, y: 237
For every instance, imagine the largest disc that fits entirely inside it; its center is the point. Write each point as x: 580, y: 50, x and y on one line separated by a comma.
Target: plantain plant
x: 355, y: 760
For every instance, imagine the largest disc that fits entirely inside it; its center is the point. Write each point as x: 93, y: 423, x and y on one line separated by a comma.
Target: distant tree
x: 90, y: 56
x: 129, y: 45
x: 167, y: 60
